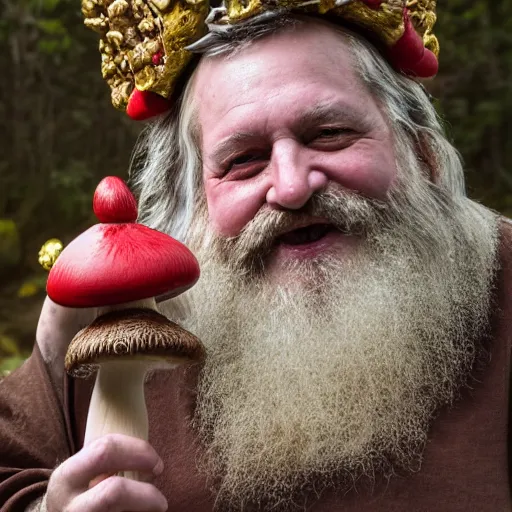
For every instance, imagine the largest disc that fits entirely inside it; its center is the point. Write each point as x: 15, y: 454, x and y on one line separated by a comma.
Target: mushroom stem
x: 117, y: 403
x: 143, y: 303
x: 125, y: 345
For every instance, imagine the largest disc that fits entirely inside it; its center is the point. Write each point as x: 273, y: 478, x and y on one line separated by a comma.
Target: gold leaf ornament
x: 144, y: 42
x: 423, y: 16
x: 49, y: 253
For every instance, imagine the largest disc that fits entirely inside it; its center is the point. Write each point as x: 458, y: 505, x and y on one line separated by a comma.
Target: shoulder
x: 505, y: 245
x: 503, y: 283
x: 505, y: 225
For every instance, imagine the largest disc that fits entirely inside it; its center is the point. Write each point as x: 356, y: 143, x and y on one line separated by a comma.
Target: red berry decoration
x: 144, y: 105
x: 157, y: 58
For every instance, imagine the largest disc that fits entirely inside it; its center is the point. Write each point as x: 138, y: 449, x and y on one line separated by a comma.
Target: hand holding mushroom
x: 120, y: 267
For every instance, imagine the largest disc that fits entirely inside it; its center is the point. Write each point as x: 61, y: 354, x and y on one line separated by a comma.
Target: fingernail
x: 157, y: 470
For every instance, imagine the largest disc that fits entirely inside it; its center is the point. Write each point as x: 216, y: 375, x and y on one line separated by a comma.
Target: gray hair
x: 167, y: 167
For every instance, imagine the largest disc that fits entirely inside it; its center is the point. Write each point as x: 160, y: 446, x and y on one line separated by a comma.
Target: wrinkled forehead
x: 309, y: 50
x: 312, y: 54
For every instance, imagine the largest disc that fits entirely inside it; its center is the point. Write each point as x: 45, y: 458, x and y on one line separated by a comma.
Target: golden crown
x: 144, y: 43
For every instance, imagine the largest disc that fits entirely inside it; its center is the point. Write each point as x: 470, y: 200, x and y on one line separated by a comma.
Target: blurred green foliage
x: 474, y: 88
x: 10, y: 253
x: 60, y: 135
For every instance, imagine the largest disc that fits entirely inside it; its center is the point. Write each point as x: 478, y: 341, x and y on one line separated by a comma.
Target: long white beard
x: 339, y: 373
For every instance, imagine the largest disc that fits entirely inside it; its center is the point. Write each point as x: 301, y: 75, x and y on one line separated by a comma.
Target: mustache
x: 348, y: 212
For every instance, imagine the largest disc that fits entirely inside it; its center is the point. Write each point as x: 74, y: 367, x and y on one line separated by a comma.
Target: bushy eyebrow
x: 323, y: 113
x: 228, y: 146
x: 330, y: 113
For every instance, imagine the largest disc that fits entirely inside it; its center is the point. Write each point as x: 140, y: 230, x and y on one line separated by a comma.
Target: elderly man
x: 353, y: 303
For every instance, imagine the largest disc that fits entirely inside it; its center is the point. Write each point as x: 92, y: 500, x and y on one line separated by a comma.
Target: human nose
x: 293, y: 179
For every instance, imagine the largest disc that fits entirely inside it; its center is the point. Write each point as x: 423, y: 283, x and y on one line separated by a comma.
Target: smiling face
x: 335, y: 374
x: 281, y: 120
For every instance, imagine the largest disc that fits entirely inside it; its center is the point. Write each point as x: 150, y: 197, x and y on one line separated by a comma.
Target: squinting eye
x: 334, y: 132
x: 244, y: 159
x: 331, y: 138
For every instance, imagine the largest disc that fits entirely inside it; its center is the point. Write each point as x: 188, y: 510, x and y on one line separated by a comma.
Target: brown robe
x: 465, y: 465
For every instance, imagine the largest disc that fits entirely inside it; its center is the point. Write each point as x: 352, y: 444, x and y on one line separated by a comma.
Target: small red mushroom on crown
x: 120, y: 267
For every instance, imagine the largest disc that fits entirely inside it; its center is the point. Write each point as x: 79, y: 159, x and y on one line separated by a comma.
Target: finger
x: 118, y: 494
x: 109, y: 454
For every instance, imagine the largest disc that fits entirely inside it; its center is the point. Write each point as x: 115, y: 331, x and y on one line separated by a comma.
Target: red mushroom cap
x: 119, y: 261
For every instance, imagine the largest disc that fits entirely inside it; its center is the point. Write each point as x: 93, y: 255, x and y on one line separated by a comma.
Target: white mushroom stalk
x: 125, y: 344
x: 118, y: 404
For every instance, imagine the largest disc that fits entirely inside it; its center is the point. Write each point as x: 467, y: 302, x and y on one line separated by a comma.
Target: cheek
x: 231, y: 205
x: 371, y: 173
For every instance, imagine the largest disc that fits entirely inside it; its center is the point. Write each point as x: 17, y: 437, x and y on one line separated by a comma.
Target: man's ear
x: 427, y: 157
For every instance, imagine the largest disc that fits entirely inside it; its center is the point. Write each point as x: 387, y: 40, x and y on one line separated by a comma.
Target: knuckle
x: 56, y: 475
x: 59, y: 494
x: 63, y: 474
x: 103, y: 449
x: 60, y: 479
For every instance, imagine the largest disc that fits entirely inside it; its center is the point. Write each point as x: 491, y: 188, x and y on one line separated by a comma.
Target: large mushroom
x: 120, y: 267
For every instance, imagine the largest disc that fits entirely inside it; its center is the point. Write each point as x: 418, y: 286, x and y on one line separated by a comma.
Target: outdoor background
x: 59, y: 134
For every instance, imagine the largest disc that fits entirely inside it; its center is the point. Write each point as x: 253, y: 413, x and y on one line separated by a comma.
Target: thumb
x: 56, y: 328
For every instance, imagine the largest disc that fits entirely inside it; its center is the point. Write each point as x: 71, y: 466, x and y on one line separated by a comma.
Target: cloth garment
x: 465, y: 465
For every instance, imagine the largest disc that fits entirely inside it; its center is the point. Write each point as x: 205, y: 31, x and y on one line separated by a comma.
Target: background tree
x: 60, y: 135
x: 475, y: 93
